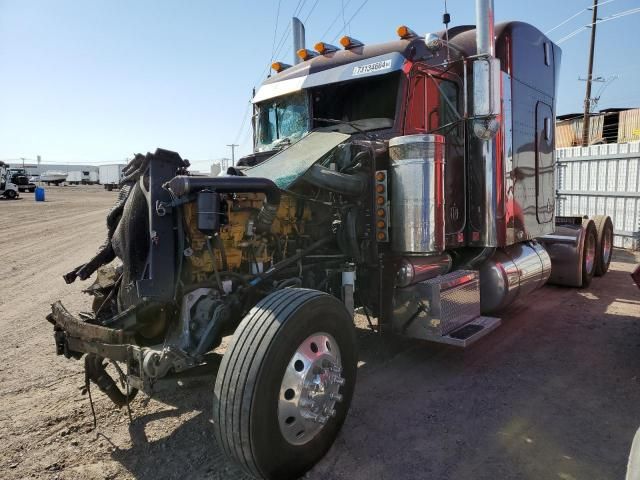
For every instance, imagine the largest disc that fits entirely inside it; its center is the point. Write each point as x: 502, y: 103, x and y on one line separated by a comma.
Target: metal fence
x: 602, y: 179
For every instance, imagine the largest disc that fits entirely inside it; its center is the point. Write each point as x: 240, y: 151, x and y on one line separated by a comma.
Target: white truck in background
x: 82, y: 177
x: 110, y: 175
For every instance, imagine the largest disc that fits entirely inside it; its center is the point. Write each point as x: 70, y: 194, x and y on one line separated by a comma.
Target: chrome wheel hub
x: 310, y: 388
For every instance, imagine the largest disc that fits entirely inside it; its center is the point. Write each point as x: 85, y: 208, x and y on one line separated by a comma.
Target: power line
x: 283, y: 38
x: 352, y: 17
x: 311, y: 11
x: 574, y: 16
x: 602, y: 20
x: 335, y: 20
x: 275, y: 30
x: 244, y: 120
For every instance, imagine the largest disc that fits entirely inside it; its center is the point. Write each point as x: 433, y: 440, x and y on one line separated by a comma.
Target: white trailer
x: 110, y: 175
x: 75, y: 177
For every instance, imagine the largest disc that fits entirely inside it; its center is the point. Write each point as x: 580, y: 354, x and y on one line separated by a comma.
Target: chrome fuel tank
x: 417, y: 193
x: 512, y: 272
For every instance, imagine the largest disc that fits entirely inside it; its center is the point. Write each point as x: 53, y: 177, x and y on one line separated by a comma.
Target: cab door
x: 545, y: 164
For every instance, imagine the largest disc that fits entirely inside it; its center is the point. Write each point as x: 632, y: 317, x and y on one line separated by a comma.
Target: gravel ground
x: 553, y: 393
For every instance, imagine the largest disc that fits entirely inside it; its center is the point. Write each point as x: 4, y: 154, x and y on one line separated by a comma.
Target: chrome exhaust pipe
x: 486, y: 74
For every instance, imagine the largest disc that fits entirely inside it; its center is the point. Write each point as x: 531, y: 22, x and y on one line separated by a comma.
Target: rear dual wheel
x: 589, y: 252
x: 604, y: 244
x: 285, y: 384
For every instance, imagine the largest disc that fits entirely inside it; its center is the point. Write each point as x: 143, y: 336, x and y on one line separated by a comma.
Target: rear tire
x: 250, y: 388
x: 589, y: 252
x: 604, y: 247
x: 10, y: 194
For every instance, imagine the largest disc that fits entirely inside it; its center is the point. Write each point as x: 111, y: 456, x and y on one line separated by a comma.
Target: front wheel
x: 10, y: 194
x: 285, y: 383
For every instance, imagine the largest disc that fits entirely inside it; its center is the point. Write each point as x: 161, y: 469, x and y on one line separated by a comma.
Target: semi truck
x: 20, y: 178
x: 8, y: 189
x: 411, y: 181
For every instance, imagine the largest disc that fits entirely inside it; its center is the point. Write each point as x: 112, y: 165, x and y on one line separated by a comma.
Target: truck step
x: 469, y: 333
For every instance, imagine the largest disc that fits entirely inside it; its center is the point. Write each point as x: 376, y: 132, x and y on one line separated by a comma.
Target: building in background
x: 611, y: 125
x: 38, y: 169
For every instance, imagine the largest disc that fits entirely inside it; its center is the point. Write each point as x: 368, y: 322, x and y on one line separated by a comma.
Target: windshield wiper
x: 370, y: 136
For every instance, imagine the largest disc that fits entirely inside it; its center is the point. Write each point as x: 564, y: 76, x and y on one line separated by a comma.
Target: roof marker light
x: 324, y: 48
x: 405, y: 32
x: 279, y: 66
x: 350, y: 42
x: 305, y: 54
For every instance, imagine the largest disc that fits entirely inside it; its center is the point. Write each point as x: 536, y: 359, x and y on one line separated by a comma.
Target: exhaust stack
x: 486, y: 74
x: 297, y: 27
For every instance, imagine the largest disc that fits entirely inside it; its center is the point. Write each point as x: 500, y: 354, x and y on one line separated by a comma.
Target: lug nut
x: 336, y: 397
x: 338, y: 380
x: 329, y: 412
x: 306, y: 403
x: 314, y: 417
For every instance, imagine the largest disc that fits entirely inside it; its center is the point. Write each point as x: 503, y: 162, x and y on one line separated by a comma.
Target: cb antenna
x: 446, y: 19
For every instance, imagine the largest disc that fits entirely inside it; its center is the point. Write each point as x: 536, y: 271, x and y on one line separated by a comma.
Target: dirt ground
x: 554, y: 393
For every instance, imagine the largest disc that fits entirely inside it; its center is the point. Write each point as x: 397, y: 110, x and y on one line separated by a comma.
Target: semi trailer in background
x: 82, y: 177
x: 412, y: 181
x: 110, y: 175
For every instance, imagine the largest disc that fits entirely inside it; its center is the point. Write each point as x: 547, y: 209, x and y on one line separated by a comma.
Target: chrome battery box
x: 436, y: 307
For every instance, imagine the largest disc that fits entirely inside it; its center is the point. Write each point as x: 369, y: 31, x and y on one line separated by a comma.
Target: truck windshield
x: 371, y: 102
x: 282, y: 121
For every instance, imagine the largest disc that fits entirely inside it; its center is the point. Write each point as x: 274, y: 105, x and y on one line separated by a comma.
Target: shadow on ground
x: 553, y: 393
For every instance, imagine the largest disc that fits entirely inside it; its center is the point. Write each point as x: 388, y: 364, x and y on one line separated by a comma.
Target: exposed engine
x: 232, y: 240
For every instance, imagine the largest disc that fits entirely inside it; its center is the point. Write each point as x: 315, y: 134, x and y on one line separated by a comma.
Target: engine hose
x: 214, y: 260
x: 183, y: 184
x: 95, y: 371
x: 334, y: 181
x: 288, y: 261
x: 352, y: 235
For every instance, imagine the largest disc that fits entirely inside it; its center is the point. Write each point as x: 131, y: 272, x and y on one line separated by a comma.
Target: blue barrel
x: 39, y: 194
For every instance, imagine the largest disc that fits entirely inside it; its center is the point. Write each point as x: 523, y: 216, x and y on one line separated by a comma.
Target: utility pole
x: 233, y: 153
x: 587, y: 99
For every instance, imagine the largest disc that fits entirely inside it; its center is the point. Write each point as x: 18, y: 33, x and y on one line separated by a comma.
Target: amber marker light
x: 350, y: 42
x: 380, y: 176
x: 323, y: 48
x: 380, y: 212
x: 380, y: 200
x: 405, y: 32
x: 279, y: 66
x: 381, y: 236
x: 381, y: 224
x: 306, y: 54
x: 380, y: 188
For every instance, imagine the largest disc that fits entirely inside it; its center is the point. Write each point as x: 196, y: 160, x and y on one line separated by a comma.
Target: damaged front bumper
x: 144, y: 365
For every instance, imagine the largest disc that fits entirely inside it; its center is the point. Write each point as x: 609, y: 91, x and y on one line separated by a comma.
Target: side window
x: 415, y: 120
x: 432, y: 103
x: 443, y: 104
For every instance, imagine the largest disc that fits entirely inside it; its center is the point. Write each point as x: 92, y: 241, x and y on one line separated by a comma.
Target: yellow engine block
x: 237, y: 236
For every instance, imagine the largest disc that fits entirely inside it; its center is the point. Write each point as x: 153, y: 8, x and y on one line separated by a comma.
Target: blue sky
x: 96, y: 81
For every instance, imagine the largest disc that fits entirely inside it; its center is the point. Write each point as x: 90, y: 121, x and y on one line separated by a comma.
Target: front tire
x: 10, y: 194
x: 285, y: 383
